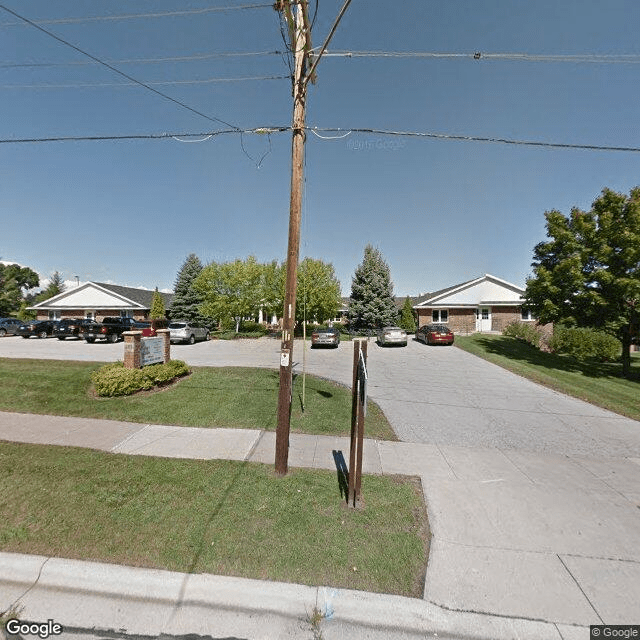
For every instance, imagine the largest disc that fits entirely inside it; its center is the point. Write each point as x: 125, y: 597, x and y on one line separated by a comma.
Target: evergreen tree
x: 157, y: 311
x: 407, y: 317
x: 186, y: 299
x: 372, y: 304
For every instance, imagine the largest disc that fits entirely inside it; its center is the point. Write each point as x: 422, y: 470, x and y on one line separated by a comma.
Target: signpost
x: 151, y: 351
x: 358, y: 413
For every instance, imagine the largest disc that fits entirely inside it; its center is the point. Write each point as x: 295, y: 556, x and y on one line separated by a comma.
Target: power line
x: 341, y: 133
x: 192, y: 58
x: 94, y: 85
x: 477, y: 55
x: 112, y: 68
x: 138, y: 16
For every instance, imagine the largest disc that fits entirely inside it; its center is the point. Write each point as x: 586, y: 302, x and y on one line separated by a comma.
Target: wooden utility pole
x: 300, y: 41
x: 300, y: 44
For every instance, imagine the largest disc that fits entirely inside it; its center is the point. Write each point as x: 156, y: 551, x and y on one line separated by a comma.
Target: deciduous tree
x: 318, y: 291
x: 13, y: 280
x: 588, y: 273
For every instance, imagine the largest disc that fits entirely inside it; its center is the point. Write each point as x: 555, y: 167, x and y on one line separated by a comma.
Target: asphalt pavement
x: 533, y: 497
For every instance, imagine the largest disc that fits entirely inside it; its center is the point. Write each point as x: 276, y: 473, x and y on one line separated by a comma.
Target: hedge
x: 114, y: 380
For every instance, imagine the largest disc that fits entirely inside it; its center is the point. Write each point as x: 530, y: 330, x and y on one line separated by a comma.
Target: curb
x: 106, y: 597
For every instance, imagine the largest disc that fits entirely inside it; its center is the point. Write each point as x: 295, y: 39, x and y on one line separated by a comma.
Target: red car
x: 435, y: 334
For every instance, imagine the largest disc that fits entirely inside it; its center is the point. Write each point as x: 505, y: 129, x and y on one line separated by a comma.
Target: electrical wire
x: 138, y: 16
x: 192, y: 58
x: 114, y: 69
x: 89, y: 85
x: 282, y: 129
x: 477, y: 55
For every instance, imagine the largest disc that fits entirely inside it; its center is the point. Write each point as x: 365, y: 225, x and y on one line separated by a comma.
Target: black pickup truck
x: 110, y: 329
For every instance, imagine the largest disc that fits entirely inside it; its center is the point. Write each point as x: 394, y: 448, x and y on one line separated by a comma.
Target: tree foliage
x: 186, y: 301
x: 318, y: 291
x: 372, y: 303
x: 13, y: 280
x: 588, y: 273
x: 407, y: 317
x: 231, y: 290
x: 157, y: 311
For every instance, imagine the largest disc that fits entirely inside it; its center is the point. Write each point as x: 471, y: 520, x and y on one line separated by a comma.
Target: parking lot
x: 437, y: 395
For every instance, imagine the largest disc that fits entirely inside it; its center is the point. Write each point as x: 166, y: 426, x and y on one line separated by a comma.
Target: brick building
x: 97, y: 300
x: 483, y: 304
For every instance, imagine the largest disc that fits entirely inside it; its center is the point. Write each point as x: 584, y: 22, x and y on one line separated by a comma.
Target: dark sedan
x: 71, y: 328
x: 39, y: 328
x: 9, y: 326
x: 325, y: 337
x: 435, y: 334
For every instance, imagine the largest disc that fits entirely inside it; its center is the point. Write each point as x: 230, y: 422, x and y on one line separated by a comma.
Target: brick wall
x: 463, y: 321
x: 502, y: 316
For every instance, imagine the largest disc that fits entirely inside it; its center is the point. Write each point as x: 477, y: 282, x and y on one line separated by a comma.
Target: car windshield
x: 439, y: 328
x: 177, y: 325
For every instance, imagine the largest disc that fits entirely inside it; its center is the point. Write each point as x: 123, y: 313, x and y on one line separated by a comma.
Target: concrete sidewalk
x: 524, y: 544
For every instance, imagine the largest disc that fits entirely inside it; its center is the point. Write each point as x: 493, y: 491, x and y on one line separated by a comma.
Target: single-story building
x: 98, y: 300
x: 483, y: 304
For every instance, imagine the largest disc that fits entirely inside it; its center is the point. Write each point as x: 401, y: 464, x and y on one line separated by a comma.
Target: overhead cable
x: 341, y: 133
x: 478, y: 55
x: 138, y: 16
x: 89, y: 85
x: 115, y: 70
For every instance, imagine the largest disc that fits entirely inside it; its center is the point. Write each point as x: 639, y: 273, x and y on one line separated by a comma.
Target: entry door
x: 483, y: 319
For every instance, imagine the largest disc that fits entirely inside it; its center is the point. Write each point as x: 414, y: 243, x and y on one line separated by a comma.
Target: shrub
x: 114, y: 380
x: 584, y: 344
x: 523, y: 331
x: 250, y: 327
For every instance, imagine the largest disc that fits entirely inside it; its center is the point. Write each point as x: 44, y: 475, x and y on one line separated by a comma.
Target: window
x: 440, y: 315
x: 525, y: 314
x: 54, y: 315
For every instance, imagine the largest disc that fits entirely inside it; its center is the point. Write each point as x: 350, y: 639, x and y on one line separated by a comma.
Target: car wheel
x: 3, y: 333
x: 42, y: 334
x: 112, y: 338
x: 60, y: 337
x: 90, y: 340
x: 192, y: 339
x: 26, y: 337
x: 207, y: 336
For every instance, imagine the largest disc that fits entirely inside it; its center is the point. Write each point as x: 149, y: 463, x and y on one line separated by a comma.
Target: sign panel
x: 151, y: 351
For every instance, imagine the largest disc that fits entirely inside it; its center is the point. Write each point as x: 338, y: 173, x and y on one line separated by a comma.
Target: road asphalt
x: 533, y: 501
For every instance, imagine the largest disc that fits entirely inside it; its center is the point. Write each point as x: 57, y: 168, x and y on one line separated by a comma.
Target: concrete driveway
x: 533, y: 497
x: 436, y: 395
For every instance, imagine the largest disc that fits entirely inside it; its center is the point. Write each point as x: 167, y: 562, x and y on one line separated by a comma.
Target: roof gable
x: 483, y: 290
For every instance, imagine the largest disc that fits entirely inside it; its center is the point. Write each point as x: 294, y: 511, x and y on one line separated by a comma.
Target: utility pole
x: 300, y: 41
x: 300, y: 36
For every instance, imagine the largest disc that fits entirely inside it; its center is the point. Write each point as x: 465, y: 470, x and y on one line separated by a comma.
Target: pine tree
x: 187, y: 300
x: 407, y: 318
x: 372, y: 303
x: 157, y: 311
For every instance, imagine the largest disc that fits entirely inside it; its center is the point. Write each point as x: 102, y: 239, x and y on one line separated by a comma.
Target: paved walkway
x: 547, y: 545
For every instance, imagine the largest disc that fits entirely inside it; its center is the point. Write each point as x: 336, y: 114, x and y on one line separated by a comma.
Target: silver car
x: 183, y: 331
x: 392, y: 335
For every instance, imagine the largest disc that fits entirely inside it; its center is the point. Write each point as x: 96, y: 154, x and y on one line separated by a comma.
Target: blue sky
x: 441, y: 211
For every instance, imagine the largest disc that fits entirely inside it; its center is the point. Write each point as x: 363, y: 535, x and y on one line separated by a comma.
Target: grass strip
x: 599, y: 383
x: 221, y: 517
x: 235, y: 397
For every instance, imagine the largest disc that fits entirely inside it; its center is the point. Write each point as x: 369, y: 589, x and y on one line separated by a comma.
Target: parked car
x: 71, y: 328
x: 325, y: 337
x: 435, y: 334
x: 112, y: 328
x: 9, y: 326
x: 183, y: 331
x: 39, y: 328
x: 392, y: 335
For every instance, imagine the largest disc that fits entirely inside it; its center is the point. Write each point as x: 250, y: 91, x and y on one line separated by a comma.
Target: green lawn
x: 598, y: 383
x: 211, y: 397
x: 220, y: 517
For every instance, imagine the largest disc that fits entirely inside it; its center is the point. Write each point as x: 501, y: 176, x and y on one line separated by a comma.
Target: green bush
x: 584, y: 344
x: 114, y: 380
x: 250, y: 327
x: 523, y: 331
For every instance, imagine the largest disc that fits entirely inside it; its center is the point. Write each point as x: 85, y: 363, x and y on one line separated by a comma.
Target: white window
x: 54, y: 315
x: 525, y: 314
x: 440, y: 315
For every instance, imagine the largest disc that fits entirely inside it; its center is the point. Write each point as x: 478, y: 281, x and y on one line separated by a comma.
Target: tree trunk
x: 626, y: 351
